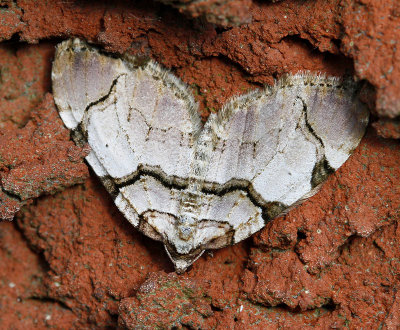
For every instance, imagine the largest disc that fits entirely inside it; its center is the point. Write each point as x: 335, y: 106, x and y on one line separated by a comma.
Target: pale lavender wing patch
x: 80, y: 76
x: 293, y: 128
x: 339, y: 119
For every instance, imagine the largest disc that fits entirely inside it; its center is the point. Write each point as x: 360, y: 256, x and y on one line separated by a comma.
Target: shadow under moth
x: 193, y: 186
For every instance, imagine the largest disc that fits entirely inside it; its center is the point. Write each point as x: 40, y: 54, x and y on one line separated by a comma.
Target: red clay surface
x: 70, y: 259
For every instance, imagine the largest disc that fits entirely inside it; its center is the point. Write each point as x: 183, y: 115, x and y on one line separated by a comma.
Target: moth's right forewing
x: 81, y: 75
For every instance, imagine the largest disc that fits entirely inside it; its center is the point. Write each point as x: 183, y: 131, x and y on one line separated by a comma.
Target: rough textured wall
x: 71, y: 260
x: 219, y: 12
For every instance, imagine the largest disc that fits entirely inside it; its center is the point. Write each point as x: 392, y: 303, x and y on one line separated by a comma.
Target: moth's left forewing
x: 336, y: 115
x: 276, y: 145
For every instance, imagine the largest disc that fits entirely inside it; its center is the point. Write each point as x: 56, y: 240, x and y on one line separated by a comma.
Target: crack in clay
x: 48, y: 299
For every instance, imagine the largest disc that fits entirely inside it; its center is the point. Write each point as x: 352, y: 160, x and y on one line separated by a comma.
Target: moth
x: 193, y: 186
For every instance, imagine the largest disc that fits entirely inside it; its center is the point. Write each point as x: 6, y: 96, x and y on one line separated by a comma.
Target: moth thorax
x: 195, y: 184
x: 186, y: 226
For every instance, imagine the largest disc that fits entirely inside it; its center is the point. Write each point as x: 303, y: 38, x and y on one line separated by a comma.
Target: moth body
x: 192, y: 186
